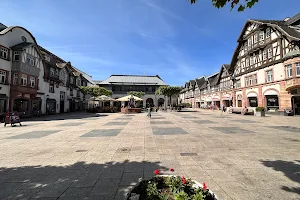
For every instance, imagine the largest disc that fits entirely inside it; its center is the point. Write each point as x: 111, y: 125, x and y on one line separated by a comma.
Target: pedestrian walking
x: 149, y: 112
x: 222, y: 108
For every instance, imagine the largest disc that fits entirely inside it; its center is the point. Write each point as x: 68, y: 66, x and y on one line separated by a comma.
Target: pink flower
x: 156, y: 172
x: 172, y: 170
x: 204, y: 186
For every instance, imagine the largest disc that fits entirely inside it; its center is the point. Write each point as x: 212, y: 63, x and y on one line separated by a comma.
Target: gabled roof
x: 201, y: 81
x: 192, y: 83
x: 133, y: 79
x: 281, y: 25
x: 223, y: 67
x: 213, y: 79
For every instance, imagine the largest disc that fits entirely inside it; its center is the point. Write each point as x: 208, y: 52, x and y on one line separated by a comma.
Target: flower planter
x: 260, y: 113
x: 132, y: 195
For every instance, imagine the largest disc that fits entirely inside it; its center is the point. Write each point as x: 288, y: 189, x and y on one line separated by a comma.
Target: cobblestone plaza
x: 87, y: 156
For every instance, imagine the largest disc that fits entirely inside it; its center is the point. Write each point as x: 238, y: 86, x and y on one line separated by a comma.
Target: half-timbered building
x: 265, y: 64
x: 225, y: 83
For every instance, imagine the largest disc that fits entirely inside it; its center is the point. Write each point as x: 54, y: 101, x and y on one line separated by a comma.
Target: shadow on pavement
x: 80, y: 181
x: 291, y: 169
x: 65, y: 116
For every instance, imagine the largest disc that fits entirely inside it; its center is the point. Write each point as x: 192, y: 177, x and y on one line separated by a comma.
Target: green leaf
x: 241, y: 8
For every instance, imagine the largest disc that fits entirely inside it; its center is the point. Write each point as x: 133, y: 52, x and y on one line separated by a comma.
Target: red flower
x: 204, y: 186
x: 183, y: 180
x: 156, y: 172
x: 172, y: 170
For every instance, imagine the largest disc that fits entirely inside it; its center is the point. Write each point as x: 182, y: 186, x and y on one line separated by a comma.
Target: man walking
x: 149, y: 112
x: 222, y: 108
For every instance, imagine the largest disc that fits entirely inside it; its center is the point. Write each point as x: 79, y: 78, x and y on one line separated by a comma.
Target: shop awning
x: 270, y: 92
x: 3, y: 96
x: 252, y: 94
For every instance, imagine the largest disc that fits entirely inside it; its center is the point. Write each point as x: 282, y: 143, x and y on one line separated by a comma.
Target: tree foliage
x: 95, y: 91
x: 241, y: 4
x: 168, y: 90
x: 137, y: 94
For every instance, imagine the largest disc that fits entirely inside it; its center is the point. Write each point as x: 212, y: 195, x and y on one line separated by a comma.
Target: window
x: 246, y: 46
x: 250, y: 80
x: 78, y: 82
x: 269, y: 76
x: 246, y: 81
x: 30, y: 60
x: 251, y: 60
x: 32, y: 82
x: 56, y: 72
x: 249, y: 42
x: 51, y: 88
x: 62, y: 95
x: 2, y: 76
x: 254, y: 79
x: 270, y: 53
x: 238, y: 83
x: 255, y: 38
x: 24, y: 80
x: 16, y: 79
x: 298, y: 69
x: 289, y: 71
x: 247, y: 62
x: 51, y: 72
x: 264, y: 55
x: 71, y: 80
x: 268, y: 33
x: 16, y: 56
x: 71, y: 91
x: 3, y: 53
x: 261, y: 36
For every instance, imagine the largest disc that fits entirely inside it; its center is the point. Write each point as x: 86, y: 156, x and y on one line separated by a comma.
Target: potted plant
x: 170, y: 187
x: 260, y: 111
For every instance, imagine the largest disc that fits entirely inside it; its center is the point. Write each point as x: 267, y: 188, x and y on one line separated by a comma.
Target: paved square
x: 72, y: 124
x: 160, y: 122
x: 116, y: 123
x: 189, y: 117
x: 203, y: 122
x: 229, y: 130
x: 33, y: 134
x: 103, y: 132
x: 286, y: 128
x: 237, y: 159
x: 167, y: 131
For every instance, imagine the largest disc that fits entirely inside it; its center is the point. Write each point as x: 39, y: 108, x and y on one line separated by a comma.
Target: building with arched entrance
x: 120, y: 85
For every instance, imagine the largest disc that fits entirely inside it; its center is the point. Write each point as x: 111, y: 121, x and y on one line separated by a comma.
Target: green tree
x: 137, y: 94
x: 241, y: 4
x: 168, y: 91
x: 95, y: 91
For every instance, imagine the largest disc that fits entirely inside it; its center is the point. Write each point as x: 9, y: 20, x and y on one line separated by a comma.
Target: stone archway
x: 149, y: 102
x: 160, y: 102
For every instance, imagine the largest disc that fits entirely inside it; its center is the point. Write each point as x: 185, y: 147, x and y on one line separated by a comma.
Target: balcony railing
x: 25, y: 68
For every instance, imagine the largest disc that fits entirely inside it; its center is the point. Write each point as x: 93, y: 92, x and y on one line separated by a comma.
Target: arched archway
x: 160, y: 102
x: 149, y: 102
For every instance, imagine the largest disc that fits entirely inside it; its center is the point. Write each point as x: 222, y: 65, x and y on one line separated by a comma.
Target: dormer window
x: 71, y: 80
x: 3, y: 53
x: 16, y: 56
x: 249, y: 42
x: 30, y: 60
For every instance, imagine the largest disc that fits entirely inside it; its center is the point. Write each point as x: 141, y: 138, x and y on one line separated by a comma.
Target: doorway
x: 62, y: 106
x: 296, y: 104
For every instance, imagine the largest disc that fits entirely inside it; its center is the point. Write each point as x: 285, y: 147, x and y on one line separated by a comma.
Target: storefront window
x: 20, y: 105
x: 2, y: 105
x: 252, y: 101
x: 272, y: 102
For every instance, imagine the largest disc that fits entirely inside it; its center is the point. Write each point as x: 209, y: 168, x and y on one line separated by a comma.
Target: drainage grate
x: 123, y: 150
x: 188, y: 154
x: 81, y: 150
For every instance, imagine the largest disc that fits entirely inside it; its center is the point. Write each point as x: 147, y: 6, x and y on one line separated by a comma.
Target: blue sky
x: 171, y: 38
